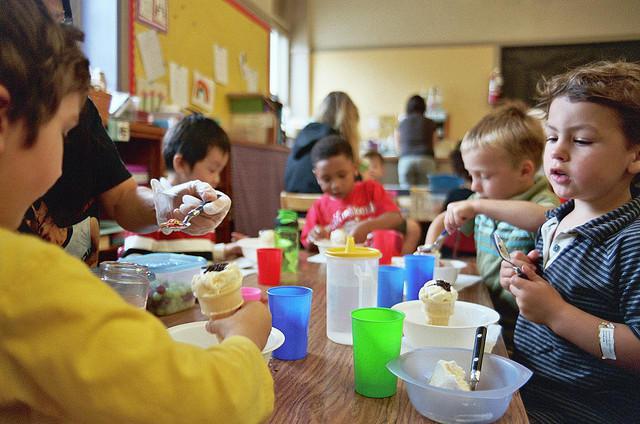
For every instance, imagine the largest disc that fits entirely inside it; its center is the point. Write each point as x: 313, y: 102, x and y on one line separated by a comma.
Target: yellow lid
x: 353, y: 251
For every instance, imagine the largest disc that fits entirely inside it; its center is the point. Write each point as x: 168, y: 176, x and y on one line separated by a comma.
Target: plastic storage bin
x: 171, y: 290
x: 500, y: 378
x: 443, y: 183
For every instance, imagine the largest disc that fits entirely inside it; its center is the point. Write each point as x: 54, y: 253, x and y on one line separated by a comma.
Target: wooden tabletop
x: 320, y: 388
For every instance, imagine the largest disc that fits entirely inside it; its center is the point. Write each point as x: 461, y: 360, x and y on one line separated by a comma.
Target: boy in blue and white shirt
x: 579, y: 323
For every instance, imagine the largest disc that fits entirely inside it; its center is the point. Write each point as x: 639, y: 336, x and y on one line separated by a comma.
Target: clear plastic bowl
x: 459, y: 333
x: 250, y: 245
x: 499, y: 379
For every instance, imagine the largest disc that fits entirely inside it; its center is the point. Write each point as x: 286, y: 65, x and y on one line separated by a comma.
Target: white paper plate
x: 317, y: 259
x: 466, y: 280
x: 196, y: 334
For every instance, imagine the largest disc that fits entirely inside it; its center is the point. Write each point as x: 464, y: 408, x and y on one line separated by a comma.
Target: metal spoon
x: 435, y: 246
x: 477, y: 356
x: 173, y: 224
x: 504, y: 254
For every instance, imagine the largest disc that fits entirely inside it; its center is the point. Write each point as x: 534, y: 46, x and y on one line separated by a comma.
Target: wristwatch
x: 607, y: 342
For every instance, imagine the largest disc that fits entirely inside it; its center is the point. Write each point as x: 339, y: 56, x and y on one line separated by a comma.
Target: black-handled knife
x: 476, y: 358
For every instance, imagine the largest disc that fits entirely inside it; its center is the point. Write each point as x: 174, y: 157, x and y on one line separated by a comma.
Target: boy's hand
x: 232, y: 249
x: 252, y: 320
x: 360, y: 231
x: 518, y: 258
x: 318, y: 233
x: 538, y: 301
x: 457, y: 214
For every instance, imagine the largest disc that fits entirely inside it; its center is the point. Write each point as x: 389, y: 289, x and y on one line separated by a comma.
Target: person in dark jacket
x: 336, y: 115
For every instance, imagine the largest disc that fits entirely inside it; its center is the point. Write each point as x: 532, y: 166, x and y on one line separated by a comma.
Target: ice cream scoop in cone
x: 218, y: 292
x: 439, y: 300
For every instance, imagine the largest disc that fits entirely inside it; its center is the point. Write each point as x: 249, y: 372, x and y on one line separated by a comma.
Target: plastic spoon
x: 504, y: 254
x: 477, y: 356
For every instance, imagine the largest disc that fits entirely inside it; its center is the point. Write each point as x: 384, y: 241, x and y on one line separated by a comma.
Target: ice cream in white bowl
x: 459, y: 333
x: 195, y: 333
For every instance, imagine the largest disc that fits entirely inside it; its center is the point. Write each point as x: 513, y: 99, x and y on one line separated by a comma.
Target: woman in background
x: 415, y: 137
x: 336, y: 115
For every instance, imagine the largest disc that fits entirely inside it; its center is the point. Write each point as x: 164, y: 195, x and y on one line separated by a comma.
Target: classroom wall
x: 339, y: 24
x: 381, y: 80
x: 194, y: 26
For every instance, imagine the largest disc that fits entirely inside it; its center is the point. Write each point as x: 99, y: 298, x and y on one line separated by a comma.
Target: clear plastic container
x: 352, y: 283
x: 130, y: 280
x: 499, y: 379
x: 171, y: 290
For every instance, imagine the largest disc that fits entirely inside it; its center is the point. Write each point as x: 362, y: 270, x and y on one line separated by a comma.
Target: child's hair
x: 455, y: 158
x: 508, y: 127
x: 612, y: 84
x: 40, y: 63
x: 193, y: 137
x: 339, y: 112
x: 417, y: 105
x: 373, y: 154
x: 330, y: 146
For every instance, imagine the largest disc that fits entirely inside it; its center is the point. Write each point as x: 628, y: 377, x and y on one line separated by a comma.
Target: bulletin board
x: 194, y: 27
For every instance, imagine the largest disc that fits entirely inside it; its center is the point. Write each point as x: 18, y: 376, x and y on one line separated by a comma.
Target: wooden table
x: 319, y: 388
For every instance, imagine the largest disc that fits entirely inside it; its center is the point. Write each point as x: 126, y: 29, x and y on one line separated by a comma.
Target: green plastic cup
x: 377, y: 335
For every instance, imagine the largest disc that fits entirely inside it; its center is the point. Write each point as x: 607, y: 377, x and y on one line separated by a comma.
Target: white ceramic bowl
x: 459, y: 333
x: 196, y: 334
x: 499, y: 379
x: 448, y: 270
x: 250, y: 245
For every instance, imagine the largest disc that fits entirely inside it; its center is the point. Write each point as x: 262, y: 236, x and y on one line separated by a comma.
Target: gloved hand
x: 176, y: 201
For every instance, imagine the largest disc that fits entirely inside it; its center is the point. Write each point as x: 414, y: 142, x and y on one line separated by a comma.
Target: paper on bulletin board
x: 151, y: 53
x: 179, y: 84
x: 251, y: 77
x: 221, y: 64
x: 154, y: 13
x: 203, y: 92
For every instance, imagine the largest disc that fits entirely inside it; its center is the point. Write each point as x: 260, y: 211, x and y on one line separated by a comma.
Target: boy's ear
x: 634, y: 165
x: 179, y: 163
x: 5, y: 99
x: 527, y: 168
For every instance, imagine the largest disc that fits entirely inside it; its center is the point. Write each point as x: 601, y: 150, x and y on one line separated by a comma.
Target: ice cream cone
x: 218, y: 306
x: 438, y: 313
x: 218, y: 292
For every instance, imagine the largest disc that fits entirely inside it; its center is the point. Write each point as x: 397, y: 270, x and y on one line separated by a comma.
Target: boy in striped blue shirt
x: 502, y: 153
x: 579, y: 323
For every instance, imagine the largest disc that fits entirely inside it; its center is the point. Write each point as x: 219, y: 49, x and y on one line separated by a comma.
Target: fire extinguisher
x: 495, y: 87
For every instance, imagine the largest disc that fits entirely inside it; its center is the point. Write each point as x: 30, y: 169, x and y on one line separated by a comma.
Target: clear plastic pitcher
x: 352, y: 283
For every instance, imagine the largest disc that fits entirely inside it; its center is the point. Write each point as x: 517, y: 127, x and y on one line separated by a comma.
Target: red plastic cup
x: 269, y: 264
x: 251, y: 293
x: 388, y: 242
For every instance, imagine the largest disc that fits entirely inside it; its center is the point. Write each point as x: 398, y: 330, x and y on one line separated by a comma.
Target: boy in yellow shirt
x: 71, y: 350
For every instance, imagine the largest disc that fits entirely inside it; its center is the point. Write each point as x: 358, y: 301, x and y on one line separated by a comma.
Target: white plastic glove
x: 176, y: 201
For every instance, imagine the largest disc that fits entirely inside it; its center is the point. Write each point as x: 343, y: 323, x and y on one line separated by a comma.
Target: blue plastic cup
x: 419, y: 270
x: 390, y: 285
x: 290, y: 308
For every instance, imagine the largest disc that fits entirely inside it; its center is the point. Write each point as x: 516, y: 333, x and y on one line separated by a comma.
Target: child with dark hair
x: 357, y: 207
x: 196, y: 148
x: 71, y: 349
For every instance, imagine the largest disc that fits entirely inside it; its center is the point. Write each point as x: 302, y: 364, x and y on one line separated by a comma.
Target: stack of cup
x: 290, y: 308
x: 377, y: 336
x: 419, y: 270
x: 269, y: 265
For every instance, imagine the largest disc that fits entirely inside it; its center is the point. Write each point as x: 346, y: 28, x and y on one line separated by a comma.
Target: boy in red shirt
x: 357, y: 207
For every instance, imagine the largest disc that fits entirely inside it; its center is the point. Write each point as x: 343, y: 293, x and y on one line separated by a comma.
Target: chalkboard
x: 522, y: 67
